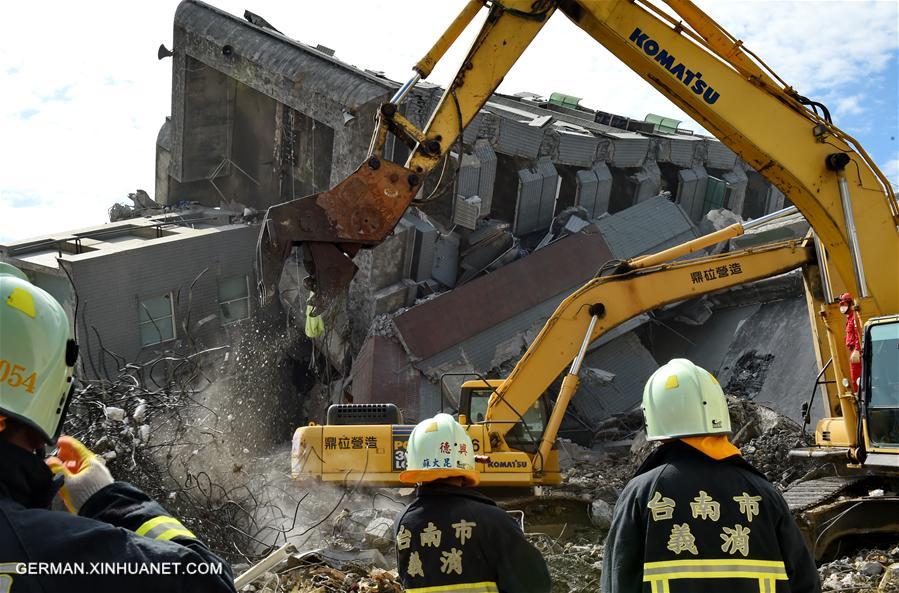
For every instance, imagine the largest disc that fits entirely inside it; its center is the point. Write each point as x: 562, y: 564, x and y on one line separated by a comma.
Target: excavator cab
x: 525, y: 435
x: 880, y: 382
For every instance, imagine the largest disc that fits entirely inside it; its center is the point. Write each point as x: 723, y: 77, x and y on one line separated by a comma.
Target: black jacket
x: 458, y: 539
x: 689, y: 523
x: 104, y: 532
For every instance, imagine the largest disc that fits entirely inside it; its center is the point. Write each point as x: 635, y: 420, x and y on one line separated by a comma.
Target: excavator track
x: 808, y: 494
x: 835, y: 507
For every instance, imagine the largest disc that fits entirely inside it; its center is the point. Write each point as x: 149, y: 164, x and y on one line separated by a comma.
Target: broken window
x: 156, y: 317
x: 234, y: 298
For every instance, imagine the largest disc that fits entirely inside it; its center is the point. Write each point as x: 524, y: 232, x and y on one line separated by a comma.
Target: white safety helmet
x: 684, y: 400
x: 37, y: 355
x: 439, y: 448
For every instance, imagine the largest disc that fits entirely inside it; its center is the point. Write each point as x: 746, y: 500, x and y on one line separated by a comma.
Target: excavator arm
x: 363, y: 209
x: 691, y: 60
x: 606, y: 302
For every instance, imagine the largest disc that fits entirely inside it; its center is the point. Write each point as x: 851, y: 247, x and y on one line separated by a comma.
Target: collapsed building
x: 543, y: 193
x: 173, y: 280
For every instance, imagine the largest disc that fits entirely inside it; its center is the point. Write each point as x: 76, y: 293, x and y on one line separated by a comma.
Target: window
x: 234, y: 298
x: 157, y: 319
x: 715, y: 192
x: 523, y: 435
x: 882, y: 383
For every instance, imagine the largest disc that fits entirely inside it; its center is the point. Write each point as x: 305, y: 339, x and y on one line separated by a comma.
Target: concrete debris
x: 570, y: 220
x: 601, y: 514
x: 870, y: 570
x: 488, y: 248
x: 763, y: 436
x: 115, y: 414
x: 311, y: 574
x: 119, y: 212
x: 143, y: 205
x: 715, y: 220
x: 382, y: 325
x: 142, y: 200
x: 575, y: 567
x: 596, y: 376
x: 379, y: 532
x: 748, y: 376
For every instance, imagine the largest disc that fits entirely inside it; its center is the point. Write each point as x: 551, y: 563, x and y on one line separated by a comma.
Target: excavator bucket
x: 332, y: 226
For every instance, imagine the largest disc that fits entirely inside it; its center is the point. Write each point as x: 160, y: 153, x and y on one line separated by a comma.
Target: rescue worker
x: 142, y: 547
x: 697, y: 517
x: 452, y: 537
x: 853, y: 341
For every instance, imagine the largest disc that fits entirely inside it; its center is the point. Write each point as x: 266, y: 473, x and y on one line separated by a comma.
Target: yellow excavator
x: 509, y: 421
x: 853, y: 246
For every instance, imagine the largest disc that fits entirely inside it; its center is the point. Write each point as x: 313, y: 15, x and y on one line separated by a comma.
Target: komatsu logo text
x: 508, y: 464
x: 690, y: 79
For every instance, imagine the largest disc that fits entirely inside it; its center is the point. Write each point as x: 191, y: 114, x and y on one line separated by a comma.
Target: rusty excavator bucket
x: 332, y: 226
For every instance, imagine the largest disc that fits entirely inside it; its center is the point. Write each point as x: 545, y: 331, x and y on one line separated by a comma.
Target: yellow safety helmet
x: 684, y: 400
x: 37, y: 355
x: 439, y: 448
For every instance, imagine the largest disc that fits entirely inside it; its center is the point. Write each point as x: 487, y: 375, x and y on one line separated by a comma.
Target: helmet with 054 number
x: 37, y: 355
x: 439, y: 448
x: 682, y: 399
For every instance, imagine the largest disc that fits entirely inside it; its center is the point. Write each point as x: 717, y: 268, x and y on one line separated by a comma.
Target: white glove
x: 84, y: 472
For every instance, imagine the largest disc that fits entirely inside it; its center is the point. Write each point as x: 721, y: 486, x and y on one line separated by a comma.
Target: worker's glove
x: 84, y: 473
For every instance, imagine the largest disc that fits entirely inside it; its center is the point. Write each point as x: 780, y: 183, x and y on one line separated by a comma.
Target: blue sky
x: 83, y: 95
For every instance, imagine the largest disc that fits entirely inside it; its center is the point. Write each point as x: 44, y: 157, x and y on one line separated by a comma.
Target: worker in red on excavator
x: 853, y: 341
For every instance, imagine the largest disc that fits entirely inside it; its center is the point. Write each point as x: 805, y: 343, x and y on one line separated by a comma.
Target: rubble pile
x: 593, y: 475
x: 619, y: 427
x: 748, y: 377
x: 149, y: 426
x: 875, y: 571
x: 574, y: 567
x: 765, y: 439
x: 311, y: 575
x: 188, y: 429
x: 763, y: 436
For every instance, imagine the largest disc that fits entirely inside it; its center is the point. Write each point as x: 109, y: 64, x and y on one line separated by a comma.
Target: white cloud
x: 891, y: 170
x: 851, y: 105
x: 815, y: 46
x: 82, y: 102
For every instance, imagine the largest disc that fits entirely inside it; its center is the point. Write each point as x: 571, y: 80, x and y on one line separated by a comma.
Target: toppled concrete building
x: 546, y: 189
x: 543, y: 193
x: 147, y: 283
x: 259, y: 118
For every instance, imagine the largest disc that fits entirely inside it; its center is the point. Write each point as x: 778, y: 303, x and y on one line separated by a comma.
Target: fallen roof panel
x: 646, y: 227
x: 455, y: 316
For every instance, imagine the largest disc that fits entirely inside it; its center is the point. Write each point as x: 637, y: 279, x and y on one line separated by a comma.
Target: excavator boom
x: 691, y: 60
